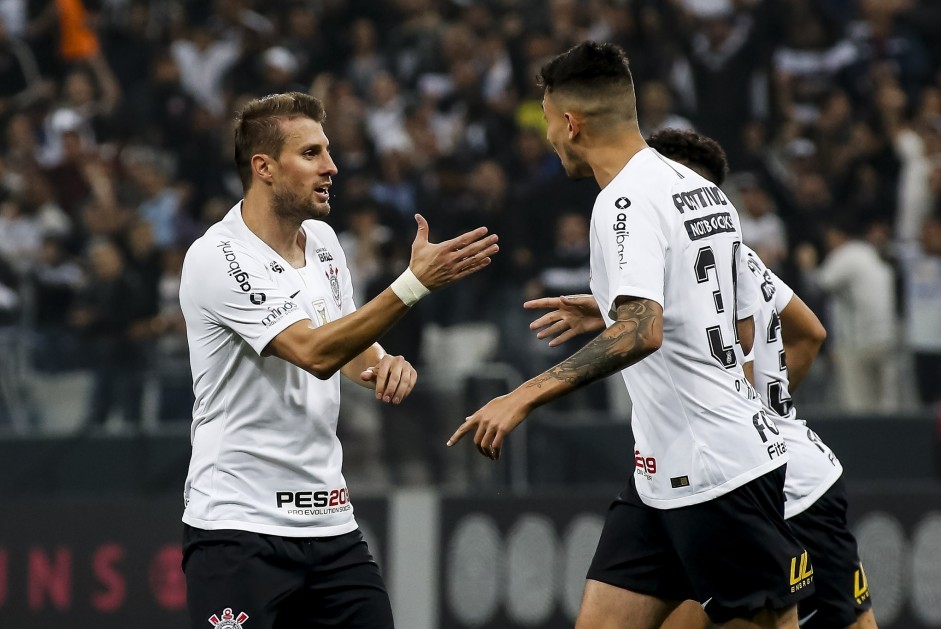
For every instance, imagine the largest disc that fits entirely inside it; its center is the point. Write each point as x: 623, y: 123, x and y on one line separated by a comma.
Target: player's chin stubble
x: 295, y: 209
x: 575, y: 167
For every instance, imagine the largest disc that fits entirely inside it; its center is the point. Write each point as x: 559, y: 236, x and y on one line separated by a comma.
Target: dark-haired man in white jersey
x: 788, y: 337
x: 702, y: 515
x: 270, y: 539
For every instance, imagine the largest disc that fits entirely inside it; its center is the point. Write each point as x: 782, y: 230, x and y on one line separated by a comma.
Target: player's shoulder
x: 220, y: 237
x: 755, y: 263
x: 224, y: 248
x: 627, y: 192
x: 648, y: 179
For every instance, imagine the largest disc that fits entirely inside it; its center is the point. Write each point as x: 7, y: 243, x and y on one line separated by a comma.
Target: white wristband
x: 408, y: 288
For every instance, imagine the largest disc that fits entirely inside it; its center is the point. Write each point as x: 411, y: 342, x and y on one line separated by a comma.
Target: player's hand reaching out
x: 393, y: 377
x: 492, y: 424
x: 438, y: 264
x: 574, y: 315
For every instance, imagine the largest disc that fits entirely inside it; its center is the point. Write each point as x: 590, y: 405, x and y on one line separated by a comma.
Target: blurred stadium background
x: 115, y: 154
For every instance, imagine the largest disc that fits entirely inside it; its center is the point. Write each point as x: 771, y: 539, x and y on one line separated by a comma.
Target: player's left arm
x: 392, y: 377
x: 803, y: 334
x: 636, y: 333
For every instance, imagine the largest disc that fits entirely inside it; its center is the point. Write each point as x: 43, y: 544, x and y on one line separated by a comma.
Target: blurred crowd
x: 115, y: 154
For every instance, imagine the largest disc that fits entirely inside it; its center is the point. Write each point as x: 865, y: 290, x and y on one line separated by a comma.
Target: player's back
x: 662, y: 232
x: 813, y: 467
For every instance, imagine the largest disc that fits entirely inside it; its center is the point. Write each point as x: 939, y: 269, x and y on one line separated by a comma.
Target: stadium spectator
x: 861, y: 288
x: 20, y: 81
x: 203, y: 60
x: 105, y: 310
x: 363, y: 243
x: 921, y: 273
x: 655, y: 108
x: 56, y: 281
x: 762, y: 228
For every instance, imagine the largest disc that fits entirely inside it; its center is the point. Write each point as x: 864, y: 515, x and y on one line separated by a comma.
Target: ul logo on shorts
x: 228, y: 621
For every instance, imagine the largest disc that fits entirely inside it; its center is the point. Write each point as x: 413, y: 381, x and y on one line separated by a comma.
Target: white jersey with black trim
x: 266, y: 457
x: 661, y: 232
x: 813, y: 467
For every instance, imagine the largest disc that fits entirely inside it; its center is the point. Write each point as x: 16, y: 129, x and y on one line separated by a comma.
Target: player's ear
x: 574, y: 126
x: 262, y: 166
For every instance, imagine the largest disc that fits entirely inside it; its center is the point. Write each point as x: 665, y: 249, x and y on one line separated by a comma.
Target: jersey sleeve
x: 232, y: 287
x: 782, y: 292
x: 747, y: 292
x: 634, y: 247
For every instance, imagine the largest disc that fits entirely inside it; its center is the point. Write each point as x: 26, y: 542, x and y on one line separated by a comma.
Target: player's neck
x: 609, y: 157
x: 284, y: 238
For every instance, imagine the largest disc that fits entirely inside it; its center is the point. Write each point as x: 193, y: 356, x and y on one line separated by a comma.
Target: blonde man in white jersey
x: 270, y: 538
x: 702, y: 515
x: 788, y: 337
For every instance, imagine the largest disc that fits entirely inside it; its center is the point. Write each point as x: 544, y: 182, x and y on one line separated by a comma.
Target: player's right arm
x: 227, y: 284
x: 635, y: 333
x: 322, y: 351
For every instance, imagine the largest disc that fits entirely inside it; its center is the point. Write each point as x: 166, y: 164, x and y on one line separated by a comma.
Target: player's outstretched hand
x: 573, y: 315
x: 492, y: 424
x: 394, y: 378
x: 438, y: 264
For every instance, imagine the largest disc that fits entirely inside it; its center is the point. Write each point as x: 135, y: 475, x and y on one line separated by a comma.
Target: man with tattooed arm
x: 702, y: 515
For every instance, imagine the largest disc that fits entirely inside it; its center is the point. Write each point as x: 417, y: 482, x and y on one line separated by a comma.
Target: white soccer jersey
x: 813, y: 467
x: 660, y: 231
x: 265, y: 452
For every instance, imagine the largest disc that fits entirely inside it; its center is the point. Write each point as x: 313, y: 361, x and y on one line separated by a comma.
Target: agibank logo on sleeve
x: 235, y: 271
x: 619, y: 227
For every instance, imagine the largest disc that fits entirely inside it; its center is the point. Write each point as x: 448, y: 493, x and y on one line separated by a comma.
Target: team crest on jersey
x: 228, y: 620
x: 334, y: 276
x: 274, y: 266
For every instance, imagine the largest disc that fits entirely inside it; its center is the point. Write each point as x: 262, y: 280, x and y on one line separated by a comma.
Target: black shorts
x: 842, y: 592
x: 734, y: 554
x: 273, y: 582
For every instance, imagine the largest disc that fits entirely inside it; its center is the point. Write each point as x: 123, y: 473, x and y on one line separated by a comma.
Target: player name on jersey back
x: 661, y: 232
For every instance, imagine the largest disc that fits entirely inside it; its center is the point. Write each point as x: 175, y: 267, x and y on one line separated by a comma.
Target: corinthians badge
x: 228, y: 621
x: 333, y: 275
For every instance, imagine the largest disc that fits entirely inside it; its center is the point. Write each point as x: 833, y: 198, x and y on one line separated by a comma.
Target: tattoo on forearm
x: 621, y: 345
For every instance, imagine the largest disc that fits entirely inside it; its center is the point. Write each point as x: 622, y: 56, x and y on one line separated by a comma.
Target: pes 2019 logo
x: 646, y: 465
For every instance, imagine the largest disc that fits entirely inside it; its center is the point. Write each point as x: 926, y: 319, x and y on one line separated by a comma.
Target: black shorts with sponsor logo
x: 236, y: 578
x: 734, y: 554
x: 842, y: 592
